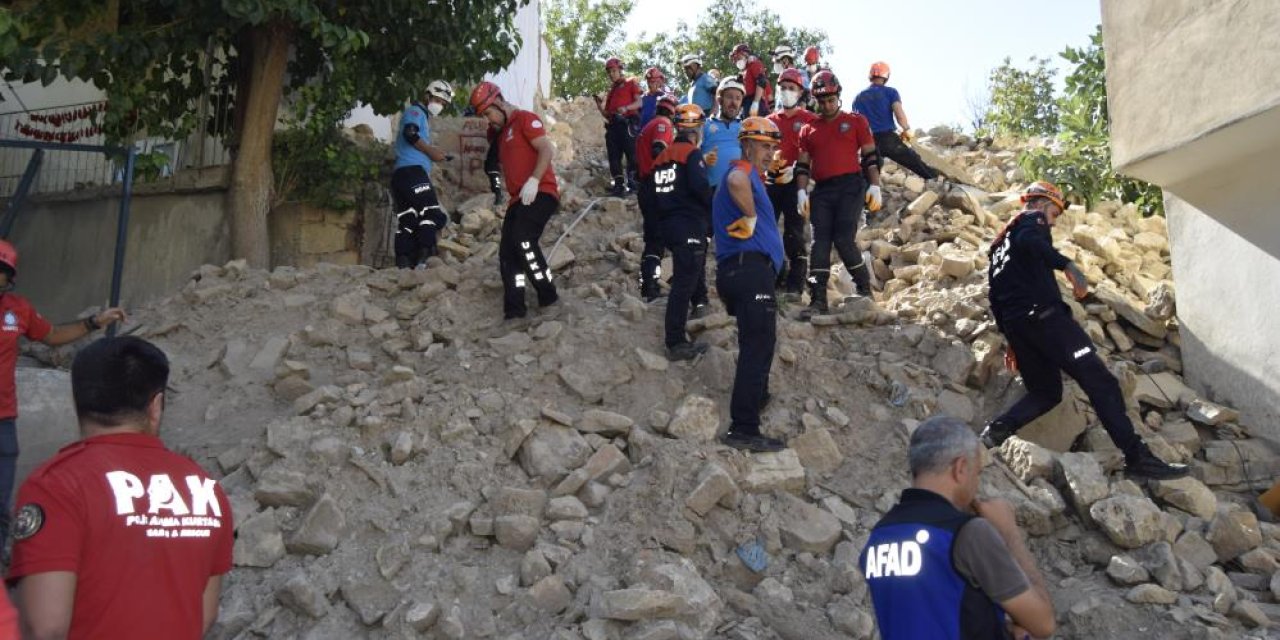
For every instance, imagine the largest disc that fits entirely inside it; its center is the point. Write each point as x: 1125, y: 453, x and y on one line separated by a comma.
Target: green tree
x: 581, y: 35
x: 1021, y: 102
x: 155, y: 59
x: 1080, y: 158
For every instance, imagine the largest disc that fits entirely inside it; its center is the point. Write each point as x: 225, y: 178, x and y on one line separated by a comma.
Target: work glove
x: 710, y: 157
x: 529, y: 191
x: 495, y: 185
x: 781, y: 171
x: 874, y: 201
x: 742, y: 228
x: 755, y: 108
x: 802, y: 203
x: 1079, y: 284
x: 906, y: 135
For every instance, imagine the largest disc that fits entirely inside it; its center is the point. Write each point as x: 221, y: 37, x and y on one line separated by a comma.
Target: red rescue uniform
x: 518, y: 157
x: 753, y: 74
x: 660, y: 129
x: 143, y: 529
x: 17, y: 318
x: 623, y: 94
x: 790, y: 126
x: 834, y: 146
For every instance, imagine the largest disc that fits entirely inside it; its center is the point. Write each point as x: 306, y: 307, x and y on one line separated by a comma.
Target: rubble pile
x: 402, y: 463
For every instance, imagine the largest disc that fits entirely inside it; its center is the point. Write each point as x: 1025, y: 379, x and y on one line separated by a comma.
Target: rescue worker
x: 1043, y: 339
x: 683, y: 197
x: 524, y: 153
x: 944, y: 565
x: 813, y: 61
x: 720, y: 145
x: 116, y: 536
x: 748, y: 258
x: 830, y: 148
x: 657, y: 83
x: 755, y: 81
x: 621, y: 112
x: 881, y: 105
x: 781, y: 184
x: 784, y: 57
x: 702, y: 85
x: 22, y: 320
x: 653, y: 139
x: 419, y: 216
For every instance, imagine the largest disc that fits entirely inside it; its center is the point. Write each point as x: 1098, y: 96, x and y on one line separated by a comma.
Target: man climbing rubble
x: 621, y: 112
x: 654, y: 137
x: 419, y: 216
x: 524, y: 153
x: 755, y: 81
x: 839, y: 152
x: 720, y: 146
x: 784, y: 59
x: 881, y: 105
x: 683, y: 198
x: 1044, y: 340
x: 942, y: 563
x: 790, y: 118
x: 749, y: 256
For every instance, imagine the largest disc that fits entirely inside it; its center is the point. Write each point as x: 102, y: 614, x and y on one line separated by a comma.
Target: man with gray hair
x: 944, y: 564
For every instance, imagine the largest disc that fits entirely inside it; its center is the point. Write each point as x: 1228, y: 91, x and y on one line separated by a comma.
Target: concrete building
x: 1194, y: 102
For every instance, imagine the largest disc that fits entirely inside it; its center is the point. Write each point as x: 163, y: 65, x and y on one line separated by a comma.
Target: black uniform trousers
x: 834, y: 209
x: 619, y: 143
x: 892, y: 147
x: 686, y: 237
x: 520, y: 258
x: 419, y: 216
x: 745, y: 282
x: 1047, y: 343
x: 651, y: 257
x: 783, y: 197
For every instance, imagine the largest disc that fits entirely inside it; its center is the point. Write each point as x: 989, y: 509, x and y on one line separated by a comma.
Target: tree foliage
x: 1079, y: 159
x: 581, y: 35
x: 1021, y: 101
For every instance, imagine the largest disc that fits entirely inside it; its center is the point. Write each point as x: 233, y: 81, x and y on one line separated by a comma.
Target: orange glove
x: 1010, y: 360
x: 742, y: 228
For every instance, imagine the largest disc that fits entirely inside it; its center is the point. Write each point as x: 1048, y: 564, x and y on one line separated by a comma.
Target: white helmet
x: 440, y: 89
x: 689, y: 59
x: 731, y: 82
x: 784, y: 51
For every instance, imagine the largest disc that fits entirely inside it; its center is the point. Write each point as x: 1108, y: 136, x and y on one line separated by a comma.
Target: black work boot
x: 699, y: 310
x: 649, y: 289
x: 752, y: 442
x: 817, y: 300
x: 996, y: 432
x: 861, y: 279
x: 686, y: 351
x: 1144, y: 464
x: 795, y: 275
x: 619, y: 188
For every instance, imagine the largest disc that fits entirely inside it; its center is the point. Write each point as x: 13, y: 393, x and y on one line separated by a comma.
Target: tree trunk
x: 249, y: 197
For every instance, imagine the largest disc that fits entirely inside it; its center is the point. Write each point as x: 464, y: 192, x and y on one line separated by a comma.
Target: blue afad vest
x: 914, y: 585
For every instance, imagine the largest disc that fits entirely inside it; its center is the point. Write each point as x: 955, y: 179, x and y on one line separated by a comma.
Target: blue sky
x: 941, y: 51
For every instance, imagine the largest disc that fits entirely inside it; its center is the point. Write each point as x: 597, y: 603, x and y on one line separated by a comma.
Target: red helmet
x: 653, y: 73
x: 740, y: 51
x: 1041, y: 189
x: 8, y: 256
x: 824, y: 84
x: 612, y: 63
x: 669, y: 101
x: 879, y: 70
x: 792, y: 75
x: 811, y: 55
x: 484, y: 96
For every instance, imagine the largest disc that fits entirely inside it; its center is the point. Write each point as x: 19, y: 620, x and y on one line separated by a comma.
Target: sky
x: 940, y: 51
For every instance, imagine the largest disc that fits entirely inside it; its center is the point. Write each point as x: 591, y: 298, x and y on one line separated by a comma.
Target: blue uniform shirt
x: 724, y: 211
x: 721, y: 136
x: 648, y: 107
x: 876, y: 104
x: 406, y: 154
x: 702, y: 92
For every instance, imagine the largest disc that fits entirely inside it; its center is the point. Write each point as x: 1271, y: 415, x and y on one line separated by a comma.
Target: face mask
x: 790, y: 98
x: 741, y: 64
x: 435, y: 108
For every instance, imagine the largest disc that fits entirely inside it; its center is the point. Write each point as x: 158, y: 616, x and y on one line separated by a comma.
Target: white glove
x: 529, y: 191
x: 786, y: 175
x: 802, y: 202
x: 755, y: 108
x: 874, y: 201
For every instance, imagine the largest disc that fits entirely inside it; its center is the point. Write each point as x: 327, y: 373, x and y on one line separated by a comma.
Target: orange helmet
x: 879, y: 70
x: 8, y: 257
x: 689, y: 116
x: 824, y: 84
x: 1044, y: 189
x: 612, y: 63
x: 811, y: 55
x: 484, y: 96
x: 759, y: 128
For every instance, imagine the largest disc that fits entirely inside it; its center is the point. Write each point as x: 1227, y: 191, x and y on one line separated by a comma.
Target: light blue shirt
x: 722, y: 137
x: 702, y: 92
x: 406, y: 154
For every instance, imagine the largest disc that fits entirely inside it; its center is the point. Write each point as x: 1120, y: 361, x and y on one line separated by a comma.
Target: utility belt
x: 747, y: 257
x: 841, y: 180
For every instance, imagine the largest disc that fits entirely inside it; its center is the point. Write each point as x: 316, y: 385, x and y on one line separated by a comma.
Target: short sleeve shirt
x: 408, y: 155
x: 834, y: 146
x: 518, y: 156
x: 876, y: 103
x: 143, y: 529
x: 623, y: 94
x: 982, y: 557
x: 17, y: 318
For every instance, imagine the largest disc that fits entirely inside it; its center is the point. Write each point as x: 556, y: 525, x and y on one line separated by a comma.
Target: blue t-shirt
x: 406, y: 154
x: 876, y: 103
x: 724, y: 211
x: 702, y: 92
x: 648, y: 107
x: 722, y: 136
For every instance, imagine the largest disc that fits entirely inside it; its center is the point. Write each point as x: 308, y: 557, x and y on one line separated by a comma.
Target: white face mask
x: 741, y: 64
x: 435, y: 108
x: 789, y: 98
